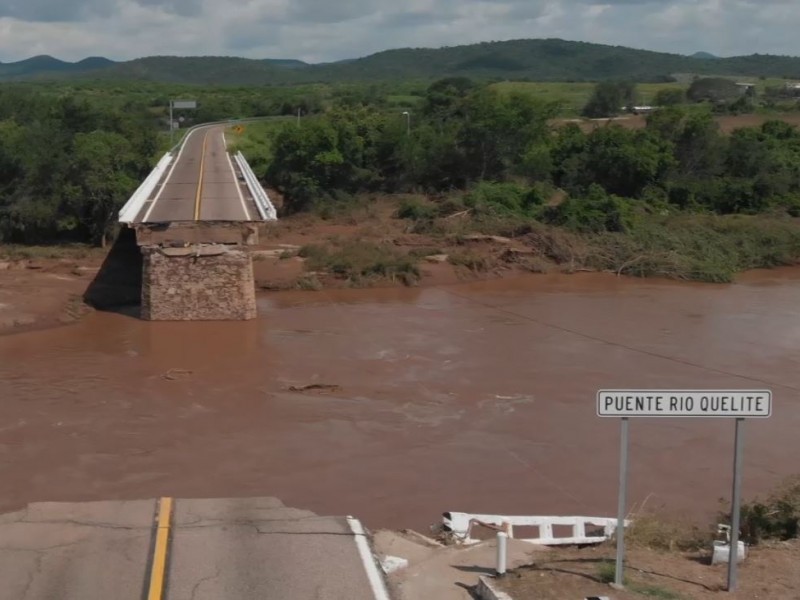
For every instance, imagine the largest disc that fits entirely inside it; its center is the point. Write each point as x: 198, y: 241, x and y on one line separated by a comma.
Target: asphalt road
x: 228, y: 549
x: 200, y: 185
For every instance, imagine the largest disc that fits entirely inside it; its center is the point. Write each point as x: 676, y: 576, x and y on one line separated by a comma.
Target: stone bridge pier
x: 197, y: 271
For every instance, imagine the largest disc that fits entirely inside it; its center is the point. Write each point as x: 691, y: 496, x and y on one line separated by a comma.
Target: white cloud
x: 322, y: 30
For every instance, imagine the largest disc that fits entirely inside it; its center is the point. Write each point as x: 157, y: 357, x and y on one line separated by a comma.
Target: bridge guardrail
x: 459, y: 526
x: 265, y: 207
x: 128, y: 212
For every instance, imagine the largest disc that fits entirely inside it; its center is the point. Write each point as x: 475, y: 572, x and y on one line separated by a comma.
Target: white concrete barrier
x: 460, y: 525
x: 264, y: 205
x: 134, y: 205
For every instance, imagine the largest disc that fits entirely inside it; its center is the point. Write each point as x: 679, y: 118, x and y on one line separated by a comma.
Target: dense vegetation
x: 70, y: 155
x: 467, y: 134
x: 537, y: 59
x: 498, y: 155
x: 67, y: 165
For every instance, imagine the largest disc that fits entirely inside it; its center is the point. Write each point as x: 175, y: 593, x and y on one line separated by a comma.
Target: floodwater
x: 475, y: 397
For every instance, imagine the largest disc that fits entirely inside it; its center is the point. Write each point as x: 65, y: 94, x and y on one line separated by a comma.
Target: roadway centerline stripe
x: 166, y: 180
x: 158, y: 572
x: 200, y: 179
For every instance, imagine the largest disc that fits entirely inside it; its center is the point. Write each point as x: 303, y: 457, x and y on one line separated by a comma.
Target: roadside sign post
x: 178, y: 104
x: 737, y: 404
x: 736, y: 503
x: 623, y: 495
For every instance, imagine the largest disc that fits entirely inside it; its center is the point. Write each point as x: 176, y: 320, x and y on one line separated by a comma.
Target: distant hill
x: 538, y: 60
x: 705, y: 55
x: 46, y: 66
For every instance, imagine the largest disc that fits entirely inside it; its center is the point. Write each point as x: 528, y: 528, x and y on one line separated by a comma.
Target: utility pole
x: 299, y: 111
x: 171, y: 124
x: 408, y: 122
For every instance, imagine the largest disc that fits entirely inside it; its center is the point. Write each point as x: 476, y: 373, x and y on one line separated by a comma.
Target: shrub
x: 362, y: 262
x: 775, y: 518
x: 416, y: 209
x: 503, y: 198
x: 595, y: 212
x: 471, y: 260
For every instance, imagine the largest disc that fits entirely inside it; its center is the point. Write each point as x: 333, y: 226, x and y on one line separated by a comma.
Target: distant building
x: 792, y: 86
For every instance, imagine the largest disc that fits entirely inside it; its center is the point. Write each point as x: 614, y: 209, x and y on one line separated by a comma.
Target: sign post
x: 179, y: 104
x: 737, y: 404
x: 623, y: 495
x: 736, y: 503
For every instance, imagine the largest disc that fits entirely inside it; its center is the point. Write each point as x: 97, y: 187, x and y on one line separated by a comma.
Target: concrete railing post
x: 502, y: 553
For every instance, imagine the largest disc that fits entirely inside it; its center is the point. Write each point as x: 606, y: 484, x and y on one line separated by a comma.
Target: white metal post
x: 623, y: 493
x: 736, y: 505
x: 502, y: 552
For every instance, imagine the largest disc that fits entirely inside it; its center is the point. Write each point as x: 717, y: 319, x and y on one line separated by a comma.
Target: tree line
x: 469, y: 136
x: 69, y: 158
x: 720, y: 94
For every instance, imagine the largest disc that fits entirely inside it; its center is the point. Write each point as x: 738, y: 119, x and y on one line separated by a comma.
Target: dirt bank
x: 769, y: 572
x: 43, y: 287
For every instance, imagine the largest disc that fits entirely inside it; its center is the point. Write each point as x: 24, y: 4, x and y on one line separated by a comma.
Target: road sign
x: 738, y: 404
x: 184, y: 104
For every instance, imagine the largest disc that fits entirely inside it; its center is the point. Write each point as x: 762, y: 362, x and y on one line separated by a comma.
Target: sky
x: 328, y: 30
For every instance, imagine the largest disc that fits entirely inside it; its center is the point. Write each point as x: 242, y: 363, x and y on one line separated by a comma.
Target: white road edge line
x: 174, y: 164
x: 235, y: 181
x: 376, y: 581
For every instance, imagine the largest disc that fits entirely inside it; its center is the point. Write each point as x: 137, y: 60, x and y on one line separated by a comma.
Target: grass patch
x: 254, y: 140
x: 72, y: 251
x: 654, y: 591
x: 309, y: 282
x: 701, y: 247
x: 574, y: 96
x: 661, y: 531
x: 688, y: 247
x: 607, y: 571
x: 471, y: 260
x: 425, y: 251
x: 361, y: 263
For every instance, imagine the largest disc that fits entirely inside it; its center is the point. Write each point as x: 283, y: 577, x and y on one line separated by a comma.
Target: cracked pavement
x: 219, y: 549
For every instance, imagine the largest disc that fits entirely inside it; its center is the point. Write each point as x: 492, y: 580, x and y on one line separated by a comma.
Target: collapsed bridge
x: 193, y: 216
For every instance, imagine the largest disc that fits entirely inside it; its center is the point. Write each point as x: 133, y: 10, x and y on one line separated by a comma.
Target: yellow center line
x: 160, y: 552
x: 200, y: 179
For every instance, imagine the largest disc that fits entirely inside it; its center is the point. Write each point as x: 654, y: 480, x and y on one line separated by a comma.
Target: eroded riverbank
x: 475, y: 397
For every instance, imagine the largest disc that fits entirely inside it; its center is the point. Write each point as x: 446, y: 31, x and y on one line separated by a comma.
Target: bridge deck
x: 201, y: 184
x: 221, y: 549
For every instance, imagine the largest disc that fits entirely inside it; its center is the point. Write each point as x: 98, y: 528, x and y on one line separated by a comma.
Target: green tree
x: 622, y: 161
x: 498, y: 129
x: 713, y: 89
x: 103, y: 173
x: 670, y: 97
x: 609, y: 99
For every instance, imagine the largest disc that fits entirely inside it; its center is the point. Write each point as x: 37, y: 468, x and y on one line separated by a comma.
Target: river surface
x: 476, y: 397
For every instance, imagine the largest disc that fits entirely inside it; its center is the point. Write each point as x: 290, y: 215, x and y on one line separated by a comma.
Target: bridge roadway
x: 227, y: 549
x: 201, y: 184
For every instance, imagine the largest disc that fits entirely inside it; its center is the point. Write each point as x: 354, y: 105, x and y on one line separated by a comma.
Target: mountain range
x: 533, y: 59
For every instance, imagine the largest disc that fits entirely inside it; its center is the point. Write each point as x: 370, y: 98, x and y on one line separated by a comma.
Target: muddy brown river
x: 475, y: 397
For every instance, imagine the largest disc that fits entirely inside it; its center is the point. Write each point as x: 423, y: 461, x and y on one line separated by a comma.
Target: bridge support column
x: 196, y: 283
